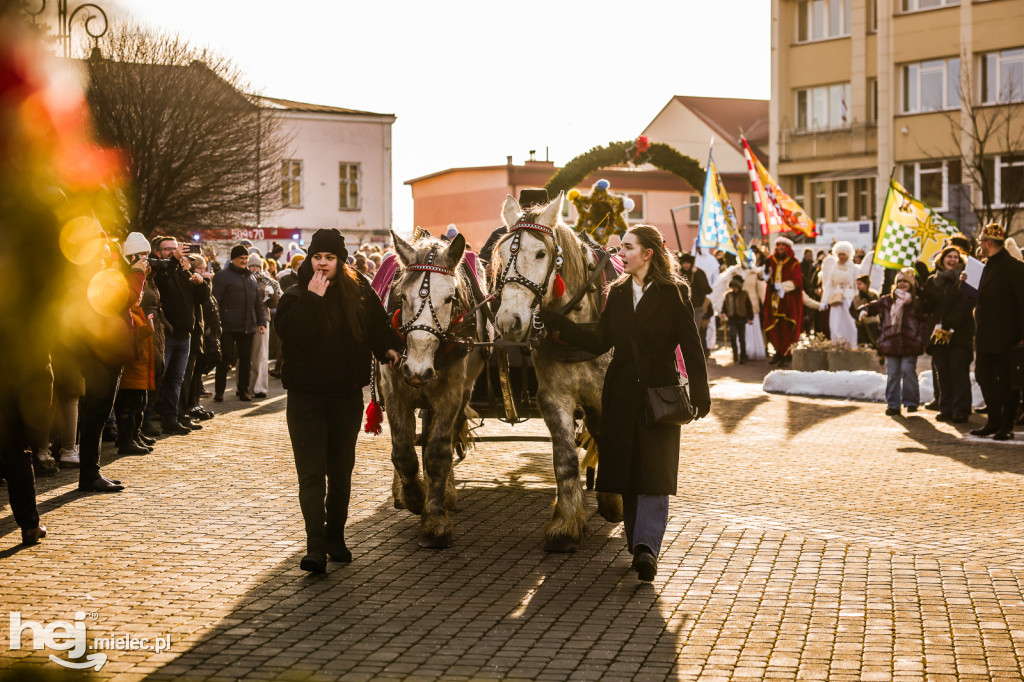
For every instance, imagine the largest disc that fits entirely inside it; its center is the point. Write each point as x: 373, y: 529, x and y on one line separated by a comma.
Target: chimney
x: 508, y: 160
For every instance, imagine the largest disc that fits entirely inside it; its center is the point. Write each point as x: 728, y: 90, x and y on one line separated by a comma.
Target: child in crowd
x: 739, y: 312
x: 904, y: 331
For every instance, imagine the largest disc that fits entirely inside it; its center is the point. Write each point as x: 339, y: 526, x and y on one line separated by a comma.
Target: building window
x: 796, y: 184
x: 824, y: 107
x: 1006, y: 180
x: 822, y: 19
x: 918, y: 5
x: 694, y: 209
x: 820, y: 201
x: 291, y: 183
x: 348, y: 186
x: 842, y: 200
x: 864, y: 195
x: 933, y: 85
x: 637, y: 214
x: 929, y: 181
x: 1002, y: 76
x: 873, y: 16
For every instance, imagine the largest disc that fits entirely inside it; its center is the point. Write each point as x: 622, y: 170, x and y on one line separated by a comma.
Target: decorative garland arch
x: 635, y: 152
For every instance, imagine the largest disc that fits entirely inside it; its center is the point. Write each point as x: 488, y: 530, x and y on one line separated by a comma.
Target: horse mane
x: 574, y: 267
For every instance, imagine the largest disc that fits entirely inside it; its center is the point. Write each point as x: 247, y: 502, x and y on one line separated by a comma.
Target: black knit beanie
x: 329, y: 240
x: 238, y: 250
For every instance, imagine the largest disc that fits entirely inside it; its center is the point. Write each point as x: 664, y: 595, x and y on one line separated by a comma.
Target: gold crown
x: 994, y: 231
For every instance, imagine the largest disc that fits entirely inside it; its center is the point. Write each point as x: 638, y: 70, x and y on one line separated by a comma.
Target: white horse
x: 541, y: 262
x: 430, y: 297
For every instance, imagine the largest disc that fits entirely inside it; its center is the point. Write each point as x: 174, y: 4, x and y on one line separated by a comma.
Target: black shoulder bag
x: 666, y: 405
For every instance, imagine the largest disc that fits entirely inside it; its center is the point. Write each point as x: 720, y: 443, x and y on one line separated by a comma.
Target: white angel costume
x: 838, y: 287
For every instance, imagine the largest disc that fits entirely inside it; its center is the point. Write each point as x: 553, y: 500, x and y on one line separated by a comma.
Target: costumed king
x: 783, y: 305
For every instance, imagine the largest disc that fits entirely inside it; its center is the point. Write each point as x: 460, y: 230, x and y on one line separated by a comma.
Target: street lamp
x: 83, y: 14
x: 675, y: 228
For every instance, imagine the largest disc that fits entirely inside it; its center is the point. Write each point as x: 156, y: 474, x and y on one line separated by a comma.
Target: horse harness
x: 452, y: 346
x: 511, y: 274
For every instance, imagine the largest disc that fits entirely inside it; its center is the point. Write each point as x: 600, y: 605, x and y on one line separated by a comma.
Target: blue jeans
x: 901, y: 370
x: 175, y: 360
x: 645, y: 518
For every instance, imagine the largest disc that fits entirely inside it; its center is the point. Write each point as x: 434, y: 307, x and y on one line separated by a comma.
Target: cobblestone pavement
x: 811, y: 539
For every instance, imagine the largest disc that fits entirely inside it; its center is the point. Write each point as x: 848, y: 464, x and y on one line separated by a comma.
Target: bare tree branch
x: 195, y: 140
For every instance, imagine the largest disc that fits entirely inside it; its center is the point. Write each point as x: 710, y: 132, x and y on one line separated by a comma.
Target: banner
x: 908, y: 230
x: 777, y: 211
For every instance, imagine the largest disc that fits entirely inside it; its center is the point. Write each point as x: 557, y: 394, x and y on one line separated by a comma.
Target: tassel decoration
x: 374, y: 418
x: 396, y: 322
x: 558, y: 288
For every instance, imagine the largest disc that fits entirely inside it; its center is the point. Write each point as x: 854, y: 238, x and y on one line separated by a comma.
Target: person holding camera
x: 648, y: 314
x: 242, y: 315
x: 181, y: 292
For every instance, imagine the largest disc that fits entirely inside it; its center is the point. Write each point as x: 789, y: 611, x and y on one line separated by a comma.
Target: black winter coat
x: 239, y: 299
x: 330, y: 363
x: 949, y: 306
x: 999, y: 314
x: 179, y: 299
x: 636, y: 458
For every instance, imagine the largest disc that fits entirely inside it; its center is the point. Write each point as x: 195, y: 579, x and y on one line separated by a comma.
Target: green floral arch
x: 621, y: 153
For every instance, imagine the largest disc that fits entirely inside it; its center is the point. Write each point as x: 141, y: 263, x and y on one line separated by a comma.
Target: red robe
x: 783, y: 317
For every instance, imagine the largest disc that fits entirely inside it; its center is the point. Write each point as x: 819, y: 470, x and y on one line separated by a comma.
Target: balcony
x: 800, y: 144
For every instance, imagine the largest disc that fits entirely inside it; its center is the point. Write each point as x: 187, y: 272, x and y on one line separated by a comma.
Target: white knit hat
x: 254, y: 259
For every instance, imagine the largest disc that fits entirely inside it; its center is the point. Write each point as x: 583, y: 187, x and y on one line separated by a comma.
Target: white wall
x: 321, y: 142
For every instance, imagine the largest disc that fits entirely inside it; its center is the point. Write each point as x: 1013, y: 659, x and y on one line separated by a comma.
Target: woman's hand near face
x: 318, y: 284
x: 393, y: 358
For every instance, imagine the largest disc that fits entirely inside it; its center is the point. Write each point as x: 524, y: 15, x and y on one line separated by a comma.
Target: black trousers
x: 190, y: 385
x: 738, y: 337
x: 952, y: 366
x: 129, y: 406
x: 16, y: 463
x: 234, y: 345
x: 101, y: 383
x: 993, y: 373
x: 323, y: 434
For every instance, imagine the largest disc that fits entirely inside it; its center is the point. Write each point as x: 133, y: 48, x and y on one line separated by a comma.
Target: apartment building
x: 865, y: 88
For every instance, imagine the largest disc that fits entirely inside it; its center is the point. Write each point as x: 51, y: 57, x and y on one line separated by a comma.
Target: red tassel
x: 558, y: 288
x: 374, y: 418
x: 458, y: 320
x: 396, y: 322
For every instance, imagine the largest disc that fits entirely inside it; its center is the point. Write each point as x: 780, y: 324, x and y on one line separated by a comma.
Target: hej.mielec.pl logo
x: 60, y: 635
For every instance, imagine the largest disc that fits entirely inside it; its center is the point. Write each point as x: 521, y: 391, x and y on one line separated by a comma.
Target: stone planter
x: 852, y: 361
x: 806, y: 360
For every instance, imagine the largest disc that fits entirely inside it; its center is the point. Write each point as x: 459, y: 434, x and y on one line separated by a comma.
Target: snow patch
x: 860, y: 385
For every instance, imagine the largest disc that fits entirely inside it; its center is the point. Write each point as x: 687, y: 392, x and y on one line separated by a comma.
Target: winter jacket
x: 239, y: 300
x: 999, y: 313
x: 638, y: 458
x: 737, y: 305
x: 326, y: 359
x: 141, y: 374
x: 910, y: 338
x: 179, y: 298
x: 948, y: 306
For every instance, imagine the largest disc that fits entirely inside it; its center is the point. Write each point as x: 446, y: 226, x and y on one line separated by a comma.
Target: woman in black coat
x: 952, y: 343
x: 329, y: 324
x: 647, y: 315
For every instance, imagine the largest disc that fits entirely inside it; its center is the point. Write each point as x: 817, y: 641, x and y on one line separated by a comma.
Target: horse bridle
x: 443, y: 335
x: 539, y: 290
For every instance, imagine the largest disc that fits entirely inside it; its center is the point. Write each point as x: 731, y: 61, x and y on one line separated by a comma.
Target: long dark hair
x: 663, y: 268
x: 345, y: 297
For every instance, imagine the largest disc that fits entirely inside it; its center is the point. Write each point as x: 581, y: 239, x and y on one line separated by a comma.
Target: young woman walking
x: 329, y: 323
x: 648, y: 314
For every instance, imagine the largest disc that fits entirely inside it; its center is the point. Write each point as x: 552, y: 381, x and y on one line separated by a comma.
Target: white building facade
x: 336, y: 173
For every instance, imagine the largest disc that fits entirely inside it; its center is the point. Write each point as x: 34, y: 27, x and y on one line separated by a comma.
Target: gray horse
x: 537, y: 251
x: 430, y: 296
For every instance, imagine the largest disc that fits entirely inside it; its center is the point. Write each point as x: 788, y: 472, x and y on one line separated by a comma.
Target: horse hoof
x: 436, y: 541
x: 561, y: 544
x: 399, y: 504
